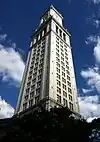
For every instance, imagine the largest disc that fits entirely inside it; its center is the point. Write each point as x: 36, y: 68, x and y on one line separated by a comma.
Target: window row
x: 60, y: 33
x: 65, y: 103
x: 64, y: 87
x: 40, y: 35
x: 30, y: 103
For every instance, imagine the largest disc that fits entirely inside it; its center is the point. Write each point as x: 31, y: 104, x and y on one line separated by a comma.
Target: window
x: 58, y: 70
x: 28, y: 84
x: 27, y: 90
x: 69, y: 90
x: 65, y: 48
x: 38, y: 84
x: 61, y: 46
x: 36, y: 64
x: 29, y: 78
x: 68, y: 77
x: 58, y: 83
x: 67, y: 67
x: 63, y: 80
x: 66, y: 57
x: 40, y: 71
x: 57, y: 54
x: 42, y: 56
x: 62, y: 54
x: 62, y: 63
x: 26, y: 98
x: 57, y: 38
x: 57, y: 50
x: 62, y: 58
x: 64, y: 86
x: 35, y: 69
x: 61, y: 49
x: 30, y: 103
x: 33, y: 87
x: 33, y: 55
x: 63, y: 68
x: 45, y: 30
x: 39, y: 77
x: 65, y: 94
x: 58, y: 64
x: 68, y: 72
x: 32, y: 62
x: 41, y: 61
x: 63, y: 74
x: 24, y: 106
x: 57, y: 42
x: 70, y: 97
x: 70, y: 105
x: 56, y: 29
x: 66, y: 54
x: 64, y: 102
x: 31, y: 94
x: 60, y: 33
x: 36, y: 100
x: 57, y: 45
x: 67, y: 63
x: 58, y: 76
x: 64, y: 37
x: 30, y: 73
x: 58, y: 90
x: 42, y: 51
x: 61, y: 42
x: 34, y: 75
x: 58, y: 99
x: 38, y: 91
x: 69, y: 84
x: 57, y: 59
x: 31, y: 67
x: 41, y: 65
x: 38, y: 51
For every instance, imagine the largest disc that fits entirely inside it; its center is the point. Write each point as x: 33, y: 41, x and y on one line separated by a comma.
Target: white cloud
x: 3, y: 37
x: 89, y: 107
x: 6, y: 110
x: 95, y: 1
x: 92, y: 77
x: 97, y: 50
x: 95, y: 40
x: 91, y: 39
x: 11, y: 64
x: 97, y: 23
x: 85, y: 91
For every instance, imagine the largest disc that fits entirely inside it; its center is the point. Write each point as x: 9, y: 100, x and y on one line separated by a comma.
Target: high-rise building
x: 49, y: 77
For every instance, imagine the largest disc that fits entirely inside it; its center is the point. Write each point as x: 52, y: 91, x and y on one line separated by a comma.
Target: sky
x: 19, y: 19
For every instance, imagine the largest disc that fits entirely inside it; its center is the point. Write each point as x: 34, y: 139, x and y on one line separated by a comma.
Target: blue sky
x: 18, y: 19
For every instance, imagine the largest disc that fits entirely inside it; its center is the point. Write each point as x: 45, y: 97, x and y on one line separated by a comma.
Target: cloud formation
x: 6, y: 110
x: 3, y: 37
x: 11, y: 70
x: 96, y: 1
x: 89, y: 107
x: 85, y: 91
x: 96, y: 23
x: 11, y: 64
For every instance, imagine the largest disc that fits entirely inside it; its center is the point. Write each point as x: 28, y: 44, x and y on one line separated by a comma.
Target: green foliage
x: 44, y: 126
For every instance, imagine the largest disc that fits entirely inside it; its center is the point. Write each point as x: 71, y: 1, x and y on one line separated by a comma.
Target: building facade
x: 49, y: 77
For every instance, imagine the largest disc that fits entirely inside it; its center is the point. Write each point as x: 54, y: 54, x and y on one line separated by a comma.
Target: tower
x: 49, y: 77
